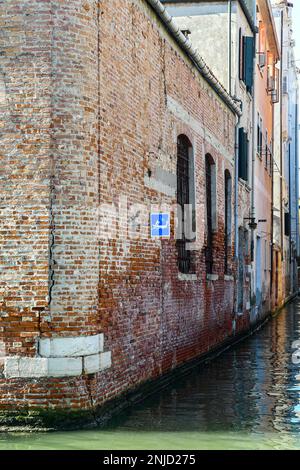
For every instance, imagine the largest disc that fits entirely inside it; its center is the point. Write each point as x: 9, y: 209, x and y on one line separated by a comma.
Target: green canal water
x: 247, y: 398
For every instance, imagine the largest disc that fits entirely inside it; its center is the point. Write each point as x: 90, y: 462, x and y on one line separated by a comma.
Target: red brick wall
x: 25, y: 109
x: 114, y: 76
x: 152, y: 320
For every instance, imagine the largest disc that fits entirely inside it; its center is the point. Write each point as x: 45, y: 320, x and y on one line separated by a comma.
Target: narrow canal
x: 248, y: 398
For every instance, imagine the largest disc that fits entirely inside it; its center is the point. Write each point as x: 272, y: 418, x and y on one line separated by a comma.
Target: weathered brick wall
x: 74, y: 258
x: 25, y: 116
x: 49, y: 189
x: 115, y: 91
x: 150, y: 94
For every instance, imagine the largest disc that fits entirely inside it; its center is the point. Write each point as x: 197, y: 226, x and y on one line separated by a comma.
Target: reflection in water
x: 248, y: 398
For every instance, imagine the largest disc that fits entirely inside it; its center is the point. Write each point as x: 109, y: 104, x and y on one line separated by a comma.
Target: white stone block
x: 64, y: 366
x: 212, y: 277
x: 44, y: 347
x: 91, y: 364
x: 187, y: 277
x: 101, y: 342
x: 71, y: 347
x: 11, y: 367
x: 25, y: 367
x: 105, y: 360
x: 33, y: 367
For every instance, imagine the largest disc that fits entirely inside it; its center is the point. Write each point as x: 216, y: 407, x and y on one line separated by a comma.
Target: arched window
x: 227, y: 220
x: 211, y: 210
x: 185, y: 200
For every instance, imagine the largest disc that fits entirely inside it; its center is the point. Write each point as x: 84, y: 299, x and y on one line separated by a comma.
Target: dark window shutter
x: 246, y: 143
x: 287, y: 227
x: 241, y: 147
x: 241, y: 55
x: 248, y: 61
x: 243, y: 154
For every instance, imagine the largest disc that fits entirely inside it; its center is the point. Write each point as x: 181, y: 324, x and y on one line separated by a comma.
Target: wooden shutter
x: 241, y: 56
x: 243, y: 154
x: 248, y: 62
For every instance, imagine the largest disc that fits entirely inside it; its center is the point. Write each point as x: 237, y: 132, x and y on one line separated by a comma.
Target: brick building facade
x: 98, y: 102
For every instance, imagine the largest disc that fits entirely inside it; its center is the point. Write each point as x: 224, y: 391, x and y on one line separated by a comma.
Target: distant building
x: 267, y: 88
x: 286, y: 160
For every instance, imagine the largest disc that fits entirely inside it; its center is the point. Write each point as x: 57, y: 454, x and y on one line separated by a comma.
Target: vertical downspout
x: 229, y: 46
x: 281, y: 137
x: 297, y: 188
x: 254, y: 127
x: 297, y: 169
x: 236, y: 168
x: 236, y: 211
x: 272, y: 206
x: 290, y: 207
x: 253, y: 137
x: 236, y: 191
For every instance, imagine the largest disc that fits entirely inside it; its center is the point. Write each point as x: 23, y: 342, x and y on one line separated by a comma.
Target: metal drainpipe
x: 290, y: 209
x: 297, y: 168
x: 272, y: 206
x: 236, y: 212
x: 297, y: 190
x: 281, y: 140
x: 253, y: 150
x: 229, y: 45
x: 236, y: 191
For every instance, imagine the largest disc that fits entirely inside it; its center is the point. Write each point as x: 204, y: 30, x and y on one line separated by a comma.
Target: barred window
x: 184, y: 198
x: 227, y: 228
x: 210, y: 209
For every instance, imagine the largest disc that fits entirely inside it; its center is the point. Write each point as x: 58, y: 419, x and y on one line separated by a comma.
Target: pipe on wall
x: 281, y: 138
x: 254, y: 130
x: 236, y: 191
x: 229, y: 45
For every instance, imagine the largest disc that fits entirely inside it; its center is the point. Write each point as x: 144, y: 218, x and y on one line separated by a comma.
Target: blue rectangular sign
x: 160, y: 225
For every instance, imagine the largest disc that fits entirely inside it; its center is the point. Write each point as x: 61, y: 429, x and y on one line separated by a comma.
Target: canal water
x: 247, y: 398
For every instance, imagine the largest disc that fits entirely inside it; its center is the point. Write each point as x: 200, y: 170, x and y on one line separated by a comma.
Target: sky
x: 296, y: 30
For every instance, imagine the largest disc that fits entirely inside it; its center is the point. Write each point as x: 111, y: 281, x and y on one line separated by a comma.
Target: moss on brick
x: 45, y: 420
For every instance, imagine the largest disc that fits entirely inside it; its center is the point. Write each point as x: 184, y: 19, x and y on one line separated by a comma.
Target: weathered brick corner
x: 93, y: 97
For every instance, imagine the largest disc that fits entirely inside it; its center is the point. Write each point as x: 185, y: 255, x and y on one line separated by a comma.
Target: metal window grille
x: 227, y: 221
x: 209, y: 244
x: 183, y: 197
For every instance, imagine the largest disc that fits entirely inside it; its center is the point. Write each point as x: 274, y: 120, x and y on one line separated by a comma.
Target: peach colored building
x: 266, y: 94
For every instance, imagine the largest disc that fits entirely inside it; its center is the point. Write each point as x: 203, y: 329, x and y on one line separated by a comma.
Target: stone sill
x: 245, y: 185
x: 212, y: 277
x: 228, y: 277
x: 187, y: 277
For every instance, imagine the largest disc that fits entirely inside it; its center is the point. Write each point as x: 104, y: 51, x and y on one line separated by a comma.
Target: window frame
x: 185, y: 196
x: 211, y: 211
x: 227, y: 220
